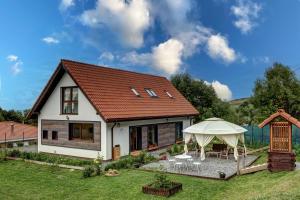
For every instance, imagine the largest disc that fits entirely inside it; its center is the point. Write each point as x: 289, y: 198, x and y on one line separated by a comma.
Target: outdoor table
x: 183, y: 156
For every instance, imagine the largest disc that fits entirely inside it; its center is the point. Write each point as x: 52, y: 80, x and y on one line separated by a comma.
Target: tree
x: 246, y: 113
x: 203, y: 98
x: 17, y: 116
x: 278, y: 89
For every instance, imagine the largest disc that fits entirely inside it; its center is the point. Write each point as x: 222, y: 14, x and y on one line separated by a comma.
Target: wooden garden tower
x: 280, y: 155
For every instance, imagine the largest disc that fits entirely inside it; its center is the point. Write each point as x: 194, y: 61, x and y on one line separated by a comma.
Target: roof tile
x: 109, y: 90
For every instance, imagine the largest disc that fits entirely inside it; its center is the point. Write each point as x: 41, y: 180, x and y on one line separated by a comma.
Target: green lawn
x: 20, y: 180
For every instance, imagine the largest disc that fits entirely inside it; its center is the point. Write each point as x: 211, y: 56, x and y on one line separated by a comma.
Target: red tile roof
x: 283, y: 114
x: 30, y: 132
x: 109, y: 91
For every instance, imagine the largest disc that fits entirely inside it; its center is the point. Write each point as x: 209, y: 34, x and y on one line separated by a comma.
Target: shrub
x: 130, y: 161
x: 88, y: 171
x: 9, y: 145
x: 3, y: 156
x: 161, y: 181
x: 20, y: 144
x: 98, y: 164
x: 54, y: 159
x: 297, y: 149
x: 176, y: 149
x: 14, y: 153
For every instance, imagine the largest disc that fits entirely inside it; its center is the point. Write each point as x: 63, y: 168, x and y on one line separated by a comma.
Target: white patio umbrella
x: 206, y: 130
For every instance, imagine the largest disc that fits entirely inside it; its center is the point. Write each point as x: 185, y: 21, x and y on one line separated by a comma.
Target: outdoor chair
x: 225, y: 153
x: 216, y: 150
x: 197, y: 166
x: 171, y: 163
x: 178, y: 166
x: 190, y: 163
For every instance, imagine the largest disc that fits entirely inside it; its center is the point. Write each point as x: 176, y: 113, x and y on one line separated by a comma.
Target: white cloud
x: 167, y: 56
x: 246, y: 12
x: 65, y: 4
x: 134, y: 58
x: 174, y: 20
x: 106, y: 56
x: 222, y: 91
x: 17, y: 63
x: 12, y: 58
x: 261, y: 59
x: 50, y: 40
x: 16, y: 67
x: 174, y: 16
x: 217, y: 47
x: 128, y: 19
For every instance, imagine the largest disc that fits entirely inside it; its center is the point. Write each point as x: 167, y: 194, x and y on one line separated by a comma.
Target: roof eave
x: 109, y: 120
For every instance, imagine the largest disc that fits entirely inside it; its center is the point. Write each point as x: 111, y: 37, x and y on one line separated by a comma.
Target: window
x: 70, y: 100
x: 135, y: 92
x: 45, y: 134
x: 178, y: 131
x: 168, y: 93
x: 81, y: 131
x: 151, y: 93
x: 54, y: 135
x: 152, y: 136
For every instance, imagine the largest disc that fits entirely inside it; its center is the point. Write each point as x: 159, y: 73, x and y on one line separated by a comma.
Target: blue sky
x: 227, y: 43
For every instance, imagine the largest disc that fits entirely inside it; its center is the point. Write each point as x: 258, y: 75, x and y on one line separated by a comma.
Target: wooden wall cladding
x: 62, y: 128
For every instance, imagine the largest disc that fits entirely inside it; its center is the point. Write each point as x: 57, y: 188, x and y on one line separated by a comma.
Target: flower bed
x: 166, y: 192
x: 162, y: 186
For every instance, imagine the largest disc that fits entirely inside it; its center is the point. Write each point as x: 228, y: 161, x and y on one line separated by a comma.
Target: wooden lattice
x: 280, y: 136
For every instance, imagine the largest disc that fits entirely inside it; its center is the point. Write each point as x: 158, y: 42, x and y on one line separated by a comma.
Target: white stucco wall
x: 86, y: 112
x: 121, y: 132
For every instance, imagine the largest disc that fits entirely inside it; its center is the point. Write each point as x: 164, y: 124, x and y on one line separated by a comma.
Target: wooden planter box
x: 148, y: 189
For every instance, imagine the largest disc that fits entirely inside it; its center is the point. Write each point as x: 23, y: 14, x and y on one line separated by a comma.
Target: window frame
x: 135, y: 92
x: 169, y: 94
x: 71, y: 129
x: 71, y: 101
x: 45, y: 133
x: 53, y: 133
x: 156, y: 140
x: 151, y: 92
x: 180, y: 125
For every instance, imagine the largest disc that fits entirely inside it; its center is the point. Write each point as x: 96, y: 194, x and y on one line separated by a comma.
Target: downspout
x: 112, y: 139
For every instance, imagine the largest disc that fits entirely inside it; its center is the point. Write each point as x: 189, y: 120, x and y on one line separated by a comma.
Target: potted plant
x: 222, y: 175
x: 162, y: 186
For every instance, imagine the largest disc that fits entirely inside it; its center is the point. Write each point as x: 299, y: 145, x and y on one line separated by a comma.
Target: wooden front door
x: 135, y: 138
x: 281, y: 137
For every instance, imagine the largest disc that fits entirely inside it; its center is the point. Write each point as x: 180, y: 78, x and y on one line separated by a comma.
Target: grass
x: 20, y: 180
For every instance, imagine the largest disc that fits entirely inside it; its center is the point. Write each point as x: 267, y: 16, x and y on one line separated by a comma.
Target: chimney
x: 12, y: 127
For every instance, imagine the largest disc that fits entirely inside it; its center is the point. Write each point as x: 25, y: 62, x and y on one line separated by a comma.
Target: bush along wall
x: 53, y: 159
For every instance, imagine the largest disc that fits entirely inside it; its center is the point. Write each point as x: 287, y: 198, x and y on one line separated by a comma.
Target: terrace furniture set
x: 219, y: 150
x: 184, y: 162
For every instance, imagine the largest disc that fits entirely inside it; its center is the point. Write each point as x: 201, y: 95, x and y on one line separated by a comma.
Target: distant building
x: 12, y: 133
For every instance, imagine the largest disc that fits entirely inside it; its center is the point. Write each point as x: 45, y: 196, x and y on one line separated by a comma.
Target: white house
x: 86, y: 109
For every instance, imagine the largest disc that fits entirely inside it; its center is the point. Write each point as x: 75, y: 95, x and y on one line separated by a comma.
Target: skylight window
x: 151, y: 93
x: 135, y: 92
x: 168, y: 93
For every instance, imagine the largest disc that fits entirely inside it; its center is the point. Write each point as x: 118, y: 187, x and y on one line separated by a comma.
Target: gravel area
x: 208, y: 168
